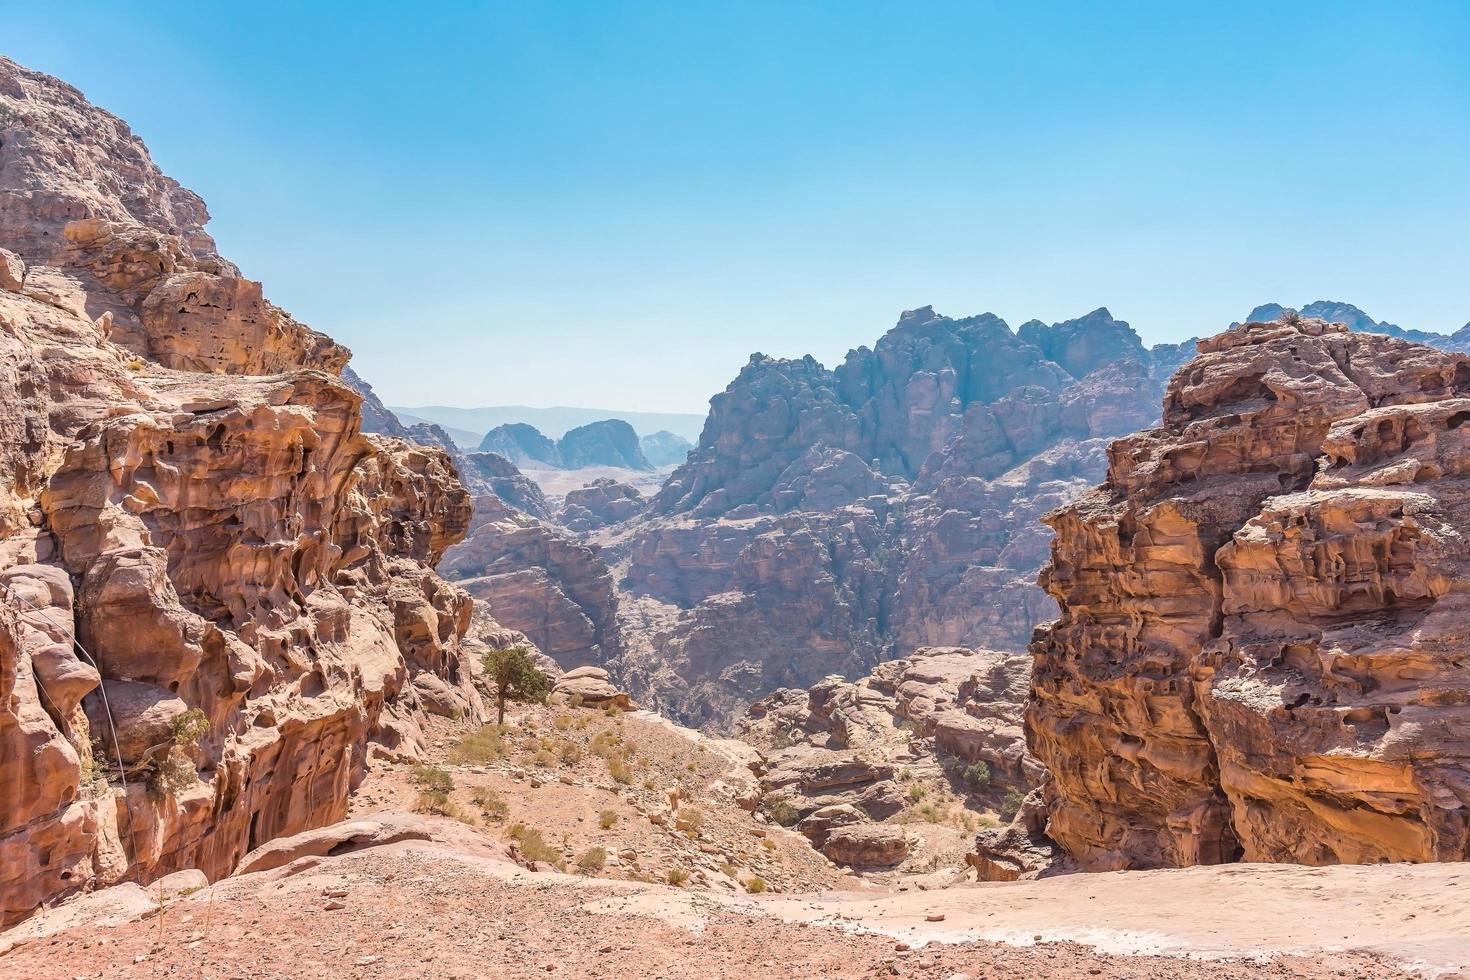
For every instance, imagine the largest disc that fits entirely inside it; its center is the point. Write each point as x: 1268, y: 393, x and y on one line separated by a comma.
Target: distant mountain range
x: 467, y: 426
x: 1355, y: 319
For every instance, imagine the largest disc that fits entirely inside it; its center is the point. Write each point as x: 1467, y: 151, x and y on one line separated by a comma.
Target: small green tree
x: 516, y: 678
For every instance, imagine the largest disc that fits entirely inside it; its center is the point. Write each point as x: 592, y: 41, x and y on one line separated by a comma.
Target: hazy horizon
x: 569, y: 205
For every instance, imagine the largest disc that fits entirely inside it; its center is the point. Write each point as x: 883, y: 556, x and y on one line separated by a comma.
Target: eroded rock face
x: 541, y: 580
x: 599, y: 504
x: 187, y: 492
x: 829, y: 520
x: 664, y: 448
x: 835, y: 754
x: 1262, y: 608
x: 611, y: 442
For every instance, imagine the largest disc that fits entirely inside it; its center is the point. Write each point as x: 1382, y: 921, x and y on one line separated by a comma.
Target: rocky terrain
x: 218, y: 589
x: 832, y: 519
x: 1259, y: 653
x: 899, y: 768
x: 1355, y: 319
x: 611, y: 442
x: 664, y: 448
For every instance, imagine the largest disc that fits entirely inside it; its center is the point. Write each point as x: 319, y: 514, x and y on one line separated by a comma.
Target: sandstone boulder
x: 867, y: 845
x: 590, y: 687
x: 12, y: 271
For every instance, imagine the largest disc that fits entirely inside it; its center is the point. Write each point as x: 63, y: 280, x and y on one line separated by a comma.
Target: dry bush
x: 491, y: 804
x: 591, y: 860
x: 486, y: 744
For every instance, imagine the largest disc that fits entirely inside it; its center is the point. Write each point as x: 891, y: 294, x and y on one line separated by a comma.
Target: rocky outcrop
x: 590, y: 687
x: 521, y: 444
x: 1259, y: 650
x: 600, y: 504
x: 217, y: 588
x: 611, y: 442
x: 664, y: 448
x: 540, y: 580
x: 836, y: 755
x: 830, y: 519
x: 491, y: 473
x: 1355, y: 319
x: 867, y: 845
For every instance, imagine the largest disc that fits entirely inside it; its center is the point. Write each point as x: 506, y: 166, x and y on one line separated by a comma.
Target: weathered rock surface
x: 187, y: 491
x: 867, y: 845
x: 1355, y: 319
x: 521, y: 444
x: 829, y: 520
x: 664, y: 448
x: 839, y: 754
x: 540, y: 580
x: 491, y: 473
x: 600, y: 504
x: 1259, y: 653
x: 591, y: 687
x: 610, y: 442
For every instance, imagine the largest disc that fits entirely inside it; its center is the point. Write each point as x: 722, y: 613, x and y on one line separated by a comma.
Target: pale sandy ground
x: 556, y: 483
x: 425, y: 910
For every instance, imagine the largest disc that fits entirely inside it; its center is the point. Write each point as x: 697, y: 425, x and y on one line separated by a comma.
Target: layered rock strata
x: 217, y: 589
x: 831, y: 519
x: 1260, y: 649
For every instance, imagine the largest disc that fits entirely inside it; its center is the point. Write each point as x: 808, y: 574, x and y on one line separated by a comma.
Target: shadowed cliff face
x: 186, y: 489
x: 828, y: 520
x: 1260, y: 653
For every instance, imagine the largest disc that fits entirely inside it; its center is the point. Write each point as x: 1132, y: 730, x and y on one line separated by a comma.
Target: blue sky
x: 614, y: 204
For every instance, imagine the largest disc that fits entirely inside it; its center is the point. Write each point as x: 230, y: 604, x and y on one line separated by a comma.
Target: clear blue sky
x: 614, y: 204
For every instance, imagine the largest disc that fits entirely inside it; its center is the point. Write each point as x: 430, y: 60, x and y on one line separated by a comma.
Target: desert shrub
x: 694, y: 819
x: 570, y: 752
x: 1011, y: 805
x: 691, y: 767
x: 607, y: 820
x: 768, y: 844
x: 591, y: 860
x: 533, y: 846
x: 491, y: 804
x: 779, y: 810
x: 482, y: 745
x: 619, y: 771
x: 561, y: 722
x: 189, y: 727
x: 431, y: 777
x: 170, y: 767
x: 434, y: 801
x: 915, y: 792
x: 545, y: 759
x: 977, y: 774
x: 677, y: 877
x: 172, y: 772
x: 755, y: 885
x: 604, y: 744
